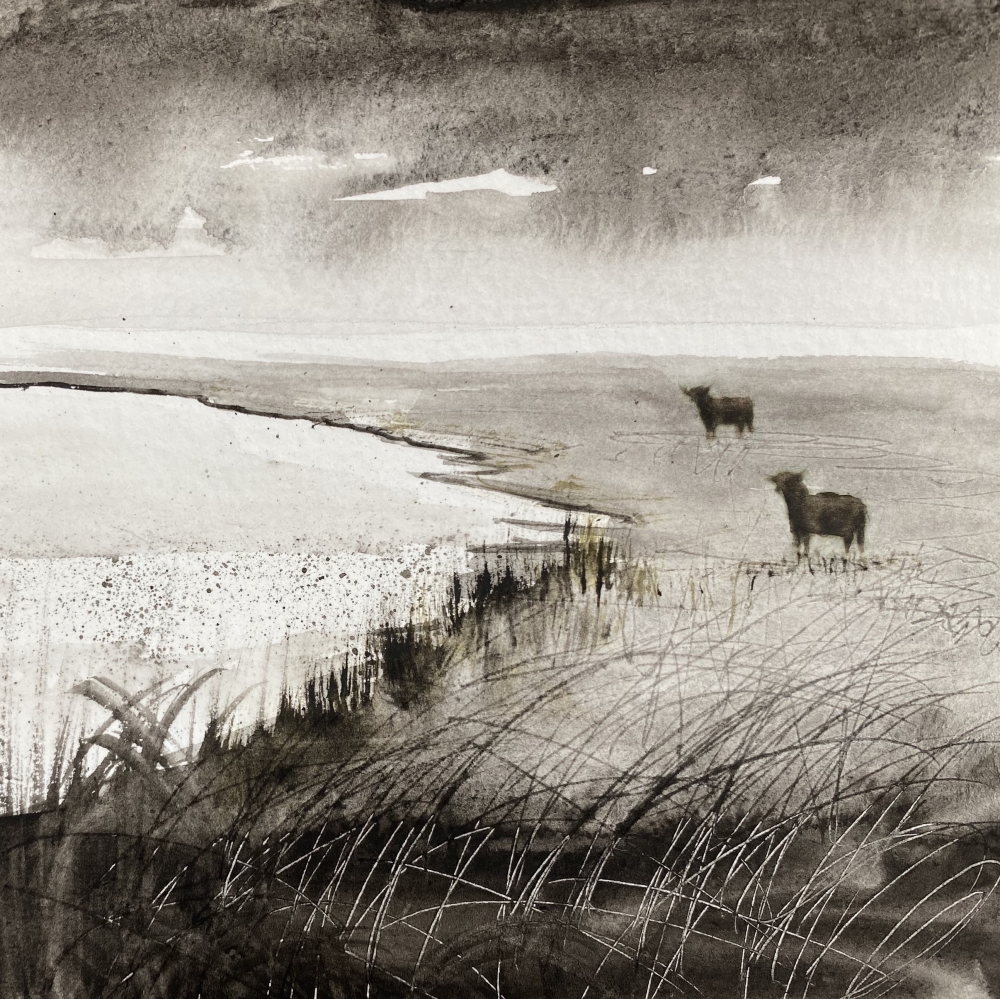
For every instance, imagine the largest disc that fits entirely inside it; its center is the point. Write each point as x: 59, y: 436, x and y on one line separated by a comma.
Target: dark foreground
x: 383, y: 837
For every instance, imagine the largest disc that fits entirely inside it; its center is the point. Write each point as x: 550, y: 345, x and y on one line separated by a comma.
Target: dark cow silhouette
x: 829, y: 514
x: 735, y: 411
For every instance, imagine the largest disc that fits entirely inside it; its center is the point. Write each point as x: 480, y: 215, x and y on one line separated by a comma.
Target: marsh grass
x: 556, y: 789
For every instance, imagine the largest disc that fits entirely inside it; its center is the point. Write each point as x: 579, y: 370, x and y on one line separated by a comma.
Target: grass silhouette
x: 587, y: 777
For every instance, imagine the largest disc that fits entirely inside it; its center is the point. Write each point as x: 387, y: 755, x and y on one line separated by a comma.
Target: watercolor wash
x: 577, y: 578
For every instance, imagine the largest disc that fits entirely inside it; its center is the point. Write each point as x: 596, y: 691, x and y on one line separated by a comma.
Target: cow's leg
x: 801, y: 547
x: 739, y: 429
x: 848, y: 541
x: 805, y: 549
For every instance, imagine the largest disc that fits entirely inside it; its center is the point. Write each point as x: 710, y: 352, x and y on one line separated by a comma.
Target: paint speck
x: 648, y: 171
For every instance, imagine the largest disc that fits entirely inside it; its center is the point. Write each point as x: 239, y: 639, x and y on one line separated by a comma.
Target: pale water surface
x: 153, y: 537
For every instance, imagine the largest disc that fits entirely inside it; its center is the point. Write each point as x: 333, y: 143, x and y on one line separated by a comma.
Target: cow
x: 735, y: 411
x: 827, y: 514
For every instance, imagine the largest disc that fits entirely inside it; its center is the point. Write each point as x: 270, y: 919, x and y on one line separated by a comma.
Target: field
x: 588, y: 775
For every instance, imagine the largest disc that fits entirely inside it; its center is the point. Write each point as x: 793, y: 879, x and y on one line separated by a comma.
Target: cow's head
x: 785, y: 480
x: 698, y: 392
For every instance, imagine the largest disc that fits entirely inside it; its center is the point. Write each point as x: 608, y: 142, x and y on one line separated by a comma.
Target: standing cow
x: 734, y: 411
x: 828, y: 514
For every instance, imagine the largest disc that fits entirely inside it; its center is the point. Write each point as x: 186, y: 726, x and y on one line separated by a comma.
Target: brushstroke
x: 499, y: 180
x: 288, y: 161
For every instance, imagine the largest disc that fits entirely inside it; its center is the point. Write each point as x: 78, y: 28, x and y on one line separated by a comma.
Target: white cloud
x: 288, y: 161
x: 190, y: 240
x: 765, y: 182
x: 648, y: 171
x: 498, y: 180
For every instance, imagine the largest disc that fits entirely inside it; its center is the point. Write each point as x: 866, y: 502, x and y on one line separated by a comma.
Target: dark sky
x: 880, y: 121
